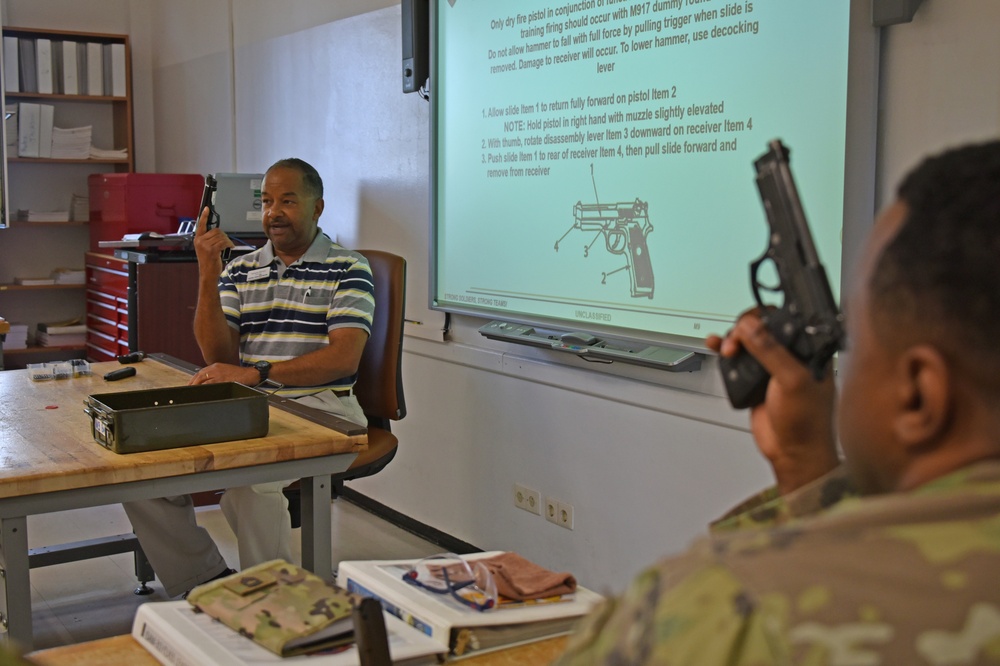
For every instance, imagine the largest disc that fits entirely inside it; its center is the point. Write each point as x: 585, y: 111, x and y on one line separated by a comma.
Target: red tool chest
x: 132, y: 203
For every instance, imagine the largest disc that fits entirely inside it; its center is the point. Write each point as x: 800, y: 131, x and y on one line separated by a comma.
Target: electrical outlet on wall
x: 564, y: 515
x: 527, y: 499
x: 558, y: 512
x: 551, y: 510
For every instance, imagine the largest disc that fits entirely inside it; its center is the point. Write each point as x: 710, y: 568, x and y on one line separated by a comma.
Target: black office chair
x: 379, y: 387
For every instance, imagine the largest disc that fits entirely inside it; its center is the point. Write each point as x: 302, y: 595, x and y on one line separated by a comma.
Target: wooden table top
x: 125, y: 651
x: 46, y: 442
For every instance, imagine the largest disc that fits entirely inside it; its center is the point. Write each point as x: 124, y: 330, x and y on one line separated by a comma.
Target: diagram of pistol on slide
x: 624, y: 226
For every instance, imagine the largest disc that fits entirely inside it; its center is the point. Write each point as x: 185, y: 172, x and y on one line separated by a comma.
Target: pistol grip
x: 745, y: 378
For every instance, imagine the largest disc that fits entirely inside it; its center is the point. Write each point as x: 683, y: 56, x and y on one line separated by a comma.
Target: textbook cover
x: 464, y: 631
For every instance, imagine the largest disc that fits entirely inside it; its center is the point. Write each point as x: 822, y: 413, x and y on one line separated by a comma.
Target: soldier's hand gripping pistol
x: 808, y: 322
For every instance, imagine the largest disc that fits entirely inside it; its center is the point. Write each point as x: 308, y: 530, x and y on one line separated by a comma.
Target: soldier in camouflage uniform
x: 907, y: 569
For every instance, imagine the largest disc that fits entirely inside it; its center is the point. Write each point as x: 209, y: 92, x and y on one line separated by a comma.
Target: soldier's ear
x: 925, y: 402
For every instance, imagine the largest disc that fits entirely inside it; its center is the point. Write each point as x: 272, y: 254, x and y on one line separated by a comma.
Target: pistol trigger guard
x: 754, y: 283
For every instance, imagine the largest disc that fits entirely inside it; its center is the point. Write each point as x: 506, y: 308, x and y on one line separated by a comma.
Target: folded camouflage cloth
x: 281, y: 606
x: 521, y: 579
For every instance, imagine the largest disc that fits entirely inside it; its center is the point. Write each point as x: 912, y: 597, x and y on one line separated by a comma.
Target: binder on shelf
x: 46, y: 116
x: 106, y: 76
x: 70, y: 72
x: 173, y: 632
x: 28, y: 121
x: 460, y: 629
x: 43, y: 64
x: 11, y: 68
x: 82, y: 83
x: 29, y: 72
x: 10, y: 127
x: 95, y: 69
x: 118, y: 70
x: 57, y: 67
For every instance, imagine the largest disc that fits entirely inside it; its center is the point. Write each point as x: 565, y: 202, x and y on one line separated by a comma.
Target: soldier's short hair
x: 939, y: 277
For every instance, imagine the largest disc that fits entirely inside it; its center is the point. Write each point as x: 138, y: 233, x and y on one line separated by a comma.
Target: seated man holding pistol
x: 297, y: 311
x: 811, y: 572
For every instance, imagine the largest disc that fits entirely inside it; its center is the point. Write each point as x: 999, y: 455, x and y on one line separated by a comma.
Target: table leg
x: 316, y: 528
x: 15, y: 604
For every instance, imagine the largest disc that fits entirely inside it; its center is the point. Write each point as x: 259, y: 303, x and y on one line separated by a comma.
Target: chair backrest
x: 380, y: 375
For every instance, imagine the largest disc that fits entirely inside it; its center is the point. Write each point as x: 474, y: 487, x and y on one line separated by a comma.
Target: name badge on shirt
x: 259, y: 274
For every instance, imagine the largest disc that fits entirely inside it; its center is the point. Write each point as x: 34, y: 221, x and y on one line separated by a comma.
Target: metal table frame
x: 14, y: 569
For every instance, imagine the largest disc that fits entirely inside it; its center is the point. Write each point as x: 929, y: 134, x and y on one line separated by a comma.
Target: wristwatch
x: 263, y: 367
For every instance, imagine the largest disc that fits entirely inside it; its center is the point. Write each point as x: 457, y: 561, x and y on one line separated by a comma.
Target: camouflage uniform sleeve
x: 701, y: 617
x: 769, y: 509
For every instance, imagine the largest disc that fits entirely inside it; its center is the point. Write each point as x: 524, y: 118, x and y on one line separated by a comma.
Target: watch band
x: 264, y: 368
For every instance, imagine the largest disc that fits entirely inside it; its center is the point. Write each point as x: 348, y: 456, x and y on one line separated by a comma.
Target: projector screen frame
x: 858, y: 195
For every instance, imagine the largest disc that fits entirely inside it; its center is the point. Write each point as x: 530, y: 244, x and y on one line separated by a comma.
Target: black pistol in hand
x: 208, y: 200
x: 808, y: 322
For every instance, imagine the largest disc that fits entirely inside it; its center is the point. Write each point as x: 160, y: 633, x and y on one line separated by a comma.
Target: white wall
x: 644, y: 465
x: 940, y: 84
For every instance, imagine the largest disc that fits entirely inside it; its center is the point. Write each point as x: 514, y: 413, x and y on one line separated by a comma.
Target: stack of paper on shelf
x: 34, y: 281
x: 108, y: 154
x: 71, y: 143
x: 69, y: 275
x: 79, y: 210
x: 17, y: 337
x: 61, y: 333
x: 43, y: 216
x: 457, y: 627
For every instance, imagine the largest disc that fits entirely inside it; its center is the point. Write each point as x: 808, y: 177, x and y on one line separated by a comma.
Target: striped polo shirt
x: 284, y: 312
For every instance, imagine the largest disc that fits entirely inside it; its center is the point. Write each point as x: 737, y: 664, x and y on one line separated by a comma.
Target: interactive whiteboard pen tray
x: 153, y: 419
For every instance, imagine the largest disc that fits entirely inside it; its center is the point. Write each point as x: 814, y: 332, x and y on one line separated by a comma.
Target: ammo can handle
x: 277, y: 386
